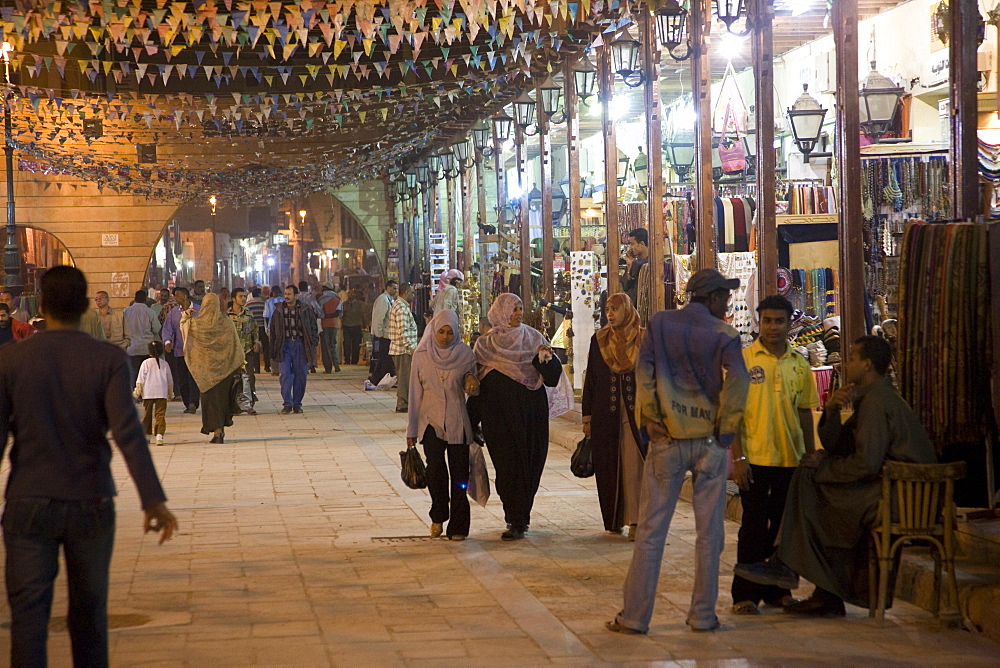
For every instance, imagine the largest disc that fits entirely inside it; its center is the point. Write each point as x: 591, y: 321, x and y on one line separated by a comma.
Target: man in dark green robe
x: 833, y: 497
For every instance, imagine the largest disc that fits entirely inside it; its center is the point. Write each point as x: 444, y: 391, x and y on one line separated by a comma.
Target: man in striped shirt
x: 256, y: 307
x: 402, y: 334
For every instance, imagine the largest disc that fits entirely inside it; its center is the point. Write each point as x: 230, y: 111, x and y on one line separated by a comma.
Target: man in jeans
x: 691, y: 390
x: 60, y: 490
x: 293, y: 346
x: 402, y: 335
x: 329, y: 303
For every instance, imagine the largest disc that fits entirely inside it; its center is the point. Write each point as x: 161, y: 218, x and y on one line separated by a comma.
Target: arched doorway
x: 39, y: 251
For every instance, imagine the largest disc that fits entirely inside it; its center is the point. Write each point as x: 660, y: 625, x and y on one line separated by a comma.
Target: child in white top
x: 154, y: 386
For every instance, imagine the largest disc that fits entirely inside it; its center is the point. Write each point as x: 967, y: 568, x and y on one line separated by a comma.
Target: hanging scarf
x: 212, y: 349
x: 509, y: 350
x: 443, y: 358
x: 620, y: 345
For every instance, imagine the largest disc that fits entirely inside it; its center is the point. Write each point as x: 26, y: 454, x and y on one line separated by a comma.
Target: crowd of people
x: 679, y: 398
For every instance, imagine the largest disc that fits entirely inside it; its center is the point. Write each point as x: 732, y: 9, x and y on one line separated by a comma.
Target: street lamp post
x: 11, y: 254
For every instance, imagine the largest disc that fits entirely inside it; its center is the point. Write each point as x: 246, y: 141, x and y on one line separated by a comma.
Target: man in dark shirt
x: 293, y: 346
x: 636, y: 258
x: 60, y: 393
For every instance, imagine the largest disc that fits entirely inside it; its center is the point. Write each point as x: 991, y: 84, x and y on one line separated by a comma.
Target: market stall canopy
x: 250, y: 101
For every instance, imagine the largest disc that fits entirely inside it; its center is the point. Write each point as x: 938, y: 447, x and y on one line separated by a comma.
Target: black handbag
x: 581, y: 463
x: 413, y: 473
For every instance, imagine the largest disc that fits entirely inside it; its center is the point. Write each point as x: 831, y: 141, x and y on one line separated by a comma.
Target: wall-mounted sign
x: 119, y: 284
x: 109, y: 239
x: 279, y: 239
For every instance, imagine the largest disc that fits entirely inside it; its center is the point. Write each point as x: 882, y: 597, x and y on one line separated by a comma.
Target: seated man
x: 833, y: 497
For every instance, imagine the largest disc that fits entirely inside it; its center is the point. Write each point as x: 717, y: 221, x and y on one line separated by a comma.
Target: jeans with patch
x: 667, y: 463
x: 33, y: 531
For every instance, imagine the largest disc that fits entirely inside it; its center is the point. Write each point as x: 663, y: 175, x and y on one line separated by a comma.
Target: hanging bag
x: 731, y: 151
x: 413, y: 473
x: 582, y: 461
x: 479, y: 479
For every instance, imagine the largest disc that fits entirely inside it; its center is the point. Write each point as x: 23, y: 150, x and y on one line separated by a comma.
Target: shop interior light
x: 806, y: 118
x: 879, y: 98
x: 625, y: 60
x: 671, y: 24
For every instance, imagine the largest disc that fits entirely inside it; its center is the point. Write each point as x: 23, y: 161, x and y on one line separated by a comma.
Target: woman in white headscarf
x: 515, y: 361
x: 442, y: 372
x: 214, y: 354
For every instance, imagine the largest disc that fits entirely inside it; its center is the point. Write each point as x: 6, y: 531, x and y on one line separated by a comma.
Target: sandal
x: 745, y: 608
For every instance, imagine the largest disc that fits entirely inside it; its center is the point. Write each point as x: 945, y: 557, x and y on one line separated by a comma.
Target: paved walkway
x: 300, y: 546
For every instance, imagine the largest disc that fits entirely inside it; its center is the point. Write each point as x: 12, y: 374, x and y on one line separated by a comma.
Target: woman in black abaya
x: 515, y: 361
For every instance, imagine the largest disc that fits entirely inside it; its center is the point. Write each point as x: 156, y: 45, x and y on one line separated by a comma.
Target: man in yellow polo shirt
x: 777, y: 431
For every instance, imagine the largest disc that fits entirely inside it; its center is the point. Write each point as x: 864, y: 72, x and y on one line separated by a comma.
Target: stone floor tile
x: 299, y: 545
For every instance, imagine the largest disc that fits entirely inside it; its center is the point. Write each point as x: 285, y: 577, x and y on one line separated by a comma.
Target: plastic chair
x: 917, y: 504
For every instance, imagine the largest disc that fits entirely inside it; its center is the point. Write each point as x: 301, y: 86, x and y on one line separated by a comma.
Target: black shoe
x: 770, y: 572
x: 192, y: 409
x: 218, y: 439
x: 287, y: 410
x: 336, y: 368
x: 297, y: 409
x: 513, y: 533
x: 821, y: 605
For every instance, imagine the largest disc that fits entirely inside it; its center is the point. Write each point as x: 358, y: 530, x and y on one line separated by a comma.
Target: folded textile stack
x: 817, y: 353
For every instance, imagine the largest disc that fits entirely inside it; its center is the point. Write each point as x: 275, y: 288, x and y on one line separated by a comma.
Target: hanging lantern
x: 503, y: 126
x: 423, y: 176
x: 524, y: 111
x: 448, y: 163
x: 550, y: 96
x: 623, y: 167
x: 671, y: 24
x: 879, y: 98
x: 640, y: 168
x: 434, y: 163
x: 463, y: 150
x: 625, y: 60
x: 412, y: 179
x: 806, y: 118
x: 481, y: 139
x: 585, y: 77
x: 679, y: 145
x: 729, y: 12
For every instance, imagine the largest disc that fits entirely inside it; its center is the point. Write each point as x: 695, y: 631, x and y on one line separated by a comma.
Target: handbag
x: 413, y: 473
x: 479, y: 480
x: 582, y: 463
x: 731, y: 152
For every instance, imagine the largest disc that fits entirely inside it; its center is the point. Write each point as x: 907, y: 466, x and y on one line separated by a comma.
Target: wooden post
x: 606, y: 83
x: 467, y: 245
x: 654, y: 156
x: 571, y: 105
x: 501, y: 172
x: 452, y: 225
x: 767, y: 233
x: 963, y: 160
x: 848, y: 154
x: 701, y: 79
x: 545, y: 166
x: 524, y: 229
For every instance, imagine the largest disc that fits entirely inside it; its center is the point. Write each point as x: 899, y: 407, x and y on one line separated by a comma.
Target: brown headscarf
x: 620, y: 345
x: 212, y: 349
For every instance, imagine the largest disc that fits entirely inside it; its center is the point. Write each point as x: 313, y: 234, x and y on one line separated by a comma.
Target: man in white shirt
x: 381, y: 363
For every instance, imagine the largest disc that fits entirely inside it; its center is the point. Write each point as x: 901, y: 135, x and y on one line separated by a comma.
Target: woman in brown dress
x: 609, y: 393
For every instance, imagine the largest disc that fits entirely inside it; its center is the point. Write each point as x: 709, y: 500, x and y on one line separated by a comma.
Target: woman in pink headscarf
x: 515, y: 361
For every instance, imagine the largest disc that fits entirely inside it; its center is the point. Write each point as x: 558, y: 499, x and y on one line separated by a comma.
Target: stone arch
x: 109, y: 235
